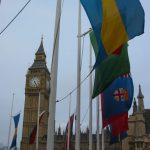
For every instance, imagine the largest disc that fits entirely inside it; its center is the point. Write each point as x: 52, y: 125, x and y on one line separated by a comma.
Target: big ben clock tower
x: 37, y: 87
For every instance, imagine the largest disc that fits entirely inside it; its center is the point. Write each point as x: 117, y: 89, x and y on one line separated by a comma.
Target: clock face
x: 34, y: 82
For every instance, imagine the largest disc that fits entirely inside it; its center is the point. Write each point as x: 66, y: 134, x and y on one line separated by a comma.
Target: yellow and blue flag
x: 114, y: 23
x: 16, y: 121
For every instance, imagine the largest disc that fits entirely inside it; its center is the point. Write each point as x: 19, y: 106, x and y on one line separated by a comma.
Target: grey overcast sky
x: 21, y: 40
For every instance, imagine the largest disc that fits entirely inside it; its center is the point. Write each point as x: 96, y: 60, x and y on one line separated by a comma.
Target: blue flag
x: 16, y: 121
x: 117, y: 98
x: 114, y: 23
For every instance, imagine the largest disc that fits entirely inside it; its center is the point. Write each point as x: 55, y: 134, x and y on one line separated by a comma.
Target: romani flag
x: 69, y: 127
x: 34, y: 130
x: 16, y: 121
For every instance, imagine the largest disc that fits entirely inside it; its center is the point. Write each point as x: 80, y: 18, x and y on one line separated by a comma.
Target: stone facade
x: 84, y: 144
x: 139, y: 126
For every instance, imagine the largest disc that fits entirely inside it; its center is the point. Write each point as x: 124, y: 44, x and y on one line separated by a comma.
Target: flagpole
x: 103, y: 144
x: 68, y: 145
x: 37, y: 133
x: 54, y: 69
x: 77, y: 138
x: 10, y: 121
x: 90, y: 100
x: 97, y: 100
x: 102, y: 129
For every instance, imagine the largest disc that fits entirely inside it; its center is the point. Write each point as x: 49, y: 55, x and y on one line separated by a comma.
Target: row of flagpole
x: 52, y: 99
x: 97, y: 112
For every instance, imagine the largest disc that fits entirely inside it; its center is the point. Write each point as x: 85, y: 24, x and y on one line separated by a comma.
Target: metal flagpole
x: 102, y: 129
x: 90, y: 100
x: 97, y: 122
x: 54, y: 68
x: 77, y: 138
x: 68, y: 140
x: 10, y: 121
x: 38, y: 113
x: 103, y: 144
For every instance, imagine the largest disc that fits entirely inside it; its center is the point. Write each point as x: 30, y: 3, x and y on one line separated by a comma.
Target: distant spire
x: 140, y: 95
x: 59, y: 130
x: 87, y: 130
x: 140, y: 100
x: 134, y: 106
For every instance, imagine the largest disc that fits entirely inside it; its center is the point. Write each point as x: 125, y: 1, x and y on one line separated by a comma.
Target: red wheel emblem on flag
x: 121, y: 94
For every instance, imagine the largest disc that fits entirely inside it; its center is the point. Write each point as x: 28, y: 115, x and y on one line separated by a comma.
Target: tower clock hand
x: 35, y: 83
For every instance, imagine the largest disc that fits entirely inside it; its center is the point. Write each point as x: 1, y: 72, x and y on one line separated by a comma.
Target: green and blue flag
x: 112, y: 67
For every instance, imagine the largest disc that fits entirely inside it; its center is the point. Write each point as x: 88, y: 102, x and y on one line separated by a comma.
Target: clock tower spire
x: 40, y: 57
x: 40, y: 54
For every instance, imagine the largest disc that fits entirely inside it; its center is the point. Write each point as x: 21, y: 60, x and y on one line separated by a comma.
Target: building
x: 139, y: 126
x: 138, y: 133
x: 37, y: 88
